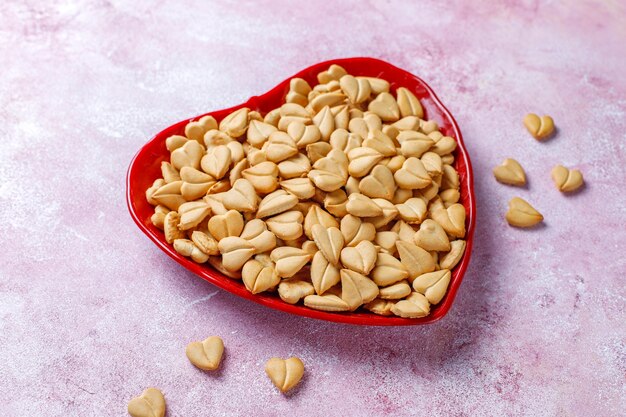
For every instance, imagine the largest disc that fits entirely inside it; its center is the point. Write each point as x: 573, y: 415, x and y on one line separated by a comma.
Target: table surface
x: 91, y: 312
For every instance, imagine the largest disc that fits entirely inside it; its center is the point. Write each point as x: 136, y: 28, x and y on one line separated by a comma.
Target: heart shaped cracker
x: 259, y: 132
x: 195, y: 183
x: 412, y: 175
x: 289, y: 260
x: 414, y: 306
x: 379, y: 141
x: 413, y: 210
x: 299, y: 90
x: 295, y: 110
x: 303, y: 134
x: 300, y: 187
x: 217, y: 161
x: 396, y: 291
x: 567, y: 180
x: 287, y: 225
x: 449, y: 178
x: 330, y: 172
x: 150, y: 403
x: 327, y: 302
x: 342, y: 116
x: 255, y: 231
x: 241, y: 197
x: 196, y: 130
x: 204, y: 242
x: 316, y: 215
x: 404, y: 230
x: 444, y: 145
x: 522, y: 214
x: 335, y: 161
x: 394, y: 163
x: 362, y: 206
x: 224, y: 225
x: 388, y: 270
x: 450, y: 259
x: 275, y: 203
x: 325, y: 121
x: 355, y: 230
x: 389, y: 212
x: 174, y: 142
x: 335, y: 202
x: 291, y: 113
x: 259, y: 275
x: 215, y: 137
x: 324, y: 274
x: 380, y: 307
x: 408, y: 104
x: 279, y: 147
x: 386, y: 240
x: 295, y: 167
x: 158, y: 183
x: 293, y: 290
x: 192, y: 213
x: 385, y: 107
x: 188, y: 248
x: 263, y: 176
x: 170, y: 227
x: 236, y: 123
x: 379, y: 183
x: 432, y: 237
x: 510, y: 172
x: 334, y: 72
x: 329, y: 241
x: 360, y: 258
x: 414, y: 144
x: 416, y: 260
x: 433, y: 164
x: 169, y: 195
x: 357, y: 289
x: 169, y: 173
x: 358, y: 127
x: 329, y: 99
x: 207, y: 354
x: 188, y: 155
x: 357, y: 90
x: 452, y: 218
x: 344, y: 141
x: 362, y: 160
x: 235, y: 252
x: 407, y: 123
x: 284, y: 373
x: 433, y: 285
x: 540, y: 127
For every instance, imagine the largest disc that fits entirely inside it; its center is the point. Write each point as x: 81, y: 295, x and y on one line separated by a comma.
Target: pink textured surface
x: 91, y: 312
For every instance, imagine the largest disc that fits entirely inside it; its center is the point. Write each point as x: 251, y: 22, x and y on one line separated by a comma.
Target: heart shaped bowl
x: 146, y: 167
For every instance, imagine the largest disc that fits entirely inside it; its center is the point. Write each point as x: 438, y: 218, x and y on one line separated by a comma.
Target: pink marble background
x: 91, y: 312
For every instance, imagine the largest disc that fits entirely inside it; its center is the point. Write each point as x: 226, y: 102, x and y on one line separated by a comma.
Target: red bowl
x: 146, y: 167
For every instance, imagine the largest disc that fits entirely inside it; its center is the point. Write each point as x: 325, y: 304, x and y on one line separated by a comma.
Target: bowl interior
x: 146, y: 167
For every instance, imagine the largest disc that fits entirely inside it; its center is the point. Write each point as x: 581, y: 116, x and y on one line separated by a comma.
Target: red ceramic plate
x: 145, y: 168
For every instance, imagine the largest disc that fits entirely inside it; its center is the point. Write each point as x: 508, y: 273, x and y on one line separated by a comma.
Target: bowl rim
x: 236, y: 286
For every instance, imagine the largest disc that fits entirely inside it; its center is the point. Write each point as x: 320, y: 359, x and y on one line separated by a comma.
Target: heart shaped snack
x: 510, y: 172
x: 567, y: 180
x: 150, y: 403
x: 284, y: 373
x: 207, y: 354
x: 522, y: 214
